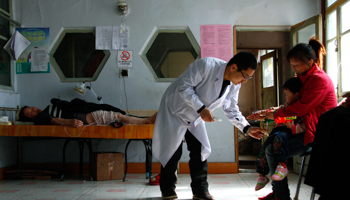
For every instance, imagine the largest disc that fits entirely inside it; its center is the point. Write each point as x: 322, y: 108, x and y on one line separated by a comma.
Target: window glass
x: 4, y: 27
x: 176, y: 63
x: 170, y: 54
x: 268, y: 76
x: 4, y: 24
x: 5, y: 72
x: 331, y: 62
x: 262, y: 52
x: 331, y: 29
x: 306, y: 33
x: 77, y: 57
x: 5, y: 60
x: 330, y: 2
x: 345, y: 16
x: 5, y: 5
x: 345, y: 62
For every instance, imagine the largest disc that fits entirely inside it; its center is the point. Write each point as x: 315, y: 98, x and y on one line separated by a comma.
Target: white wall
x: 142, y: 91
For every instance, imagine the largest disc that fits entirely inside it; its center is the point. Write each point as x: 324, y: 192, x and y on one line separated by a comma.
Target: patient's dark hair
x: 294, y: 85
x: 244, y: 60
x: 22, y: 117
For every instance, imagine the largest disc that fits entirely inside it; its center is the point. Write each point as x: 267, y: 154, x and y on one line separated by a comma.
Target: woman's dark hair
x: 294, y: 85
x: 304, y: 52
x: 22, y: 117
x: 244, y: 60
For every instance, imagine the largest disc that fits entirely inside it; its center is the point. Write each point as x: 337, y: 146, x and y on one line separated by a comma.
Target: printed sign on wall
x: 125, y: 59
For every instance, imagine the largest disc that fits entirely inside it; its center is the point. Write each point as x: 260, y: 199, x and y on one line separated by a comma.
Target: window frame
x: 153, y: 36
x: 55, y: 44
x: 12, y: 24
x: 336, y: 7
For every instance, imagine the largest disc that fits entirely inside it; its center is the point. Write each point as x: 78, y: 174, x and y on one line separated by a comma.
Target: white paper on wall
x: 16, y: 45
x: 121, y: 37
x: 104, y: 37
x: 39, y: 60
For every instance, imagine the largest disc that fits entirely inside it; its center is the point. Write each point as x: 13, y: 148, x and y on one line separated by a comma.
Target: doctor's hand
x: 257, y: 132
x: 206, y: 115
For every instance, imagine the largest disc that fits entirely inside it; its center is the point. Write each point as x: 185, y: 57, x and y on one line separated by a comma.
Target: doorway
x: 260, y: 93
x: 275, y: 44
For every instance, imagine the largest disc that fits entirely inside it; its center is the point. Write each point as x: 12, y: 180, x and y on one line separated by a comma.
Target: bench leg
x: 81, y: 154
x: 126, y: 159
x: 64, y: 158
x: 88, y: 142
x: 148, y: 146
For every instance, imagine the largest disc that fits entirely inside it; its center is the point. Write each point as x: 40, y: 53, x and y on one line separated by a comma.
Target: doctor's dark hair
x: 294, y: 85
x: 244, y: 60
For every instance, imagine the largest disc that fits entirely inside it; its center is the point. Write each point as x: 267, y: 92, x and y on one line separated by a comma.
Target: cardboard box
x: 108, y: 166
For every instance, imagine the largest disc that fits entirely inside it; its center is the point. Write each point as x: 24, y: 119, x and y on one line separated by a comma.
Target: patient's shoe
x: 280, y: 173
x: 261, y: 182
x: 154, y: 180
x: 116, y: 124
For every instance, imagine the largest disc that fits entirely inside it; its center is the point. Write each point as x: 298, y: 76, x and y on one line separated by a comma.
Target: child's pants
x: 279, y: 137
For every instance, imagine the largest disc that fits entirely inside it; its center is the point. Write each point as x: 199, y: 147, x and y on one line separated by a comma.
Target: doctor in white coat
x: 207, y: 84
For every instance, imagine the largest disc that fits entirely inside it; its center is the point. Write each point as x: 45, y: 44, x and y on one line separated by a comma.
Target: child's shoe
x: 280, y: 173
x: 261, y: 182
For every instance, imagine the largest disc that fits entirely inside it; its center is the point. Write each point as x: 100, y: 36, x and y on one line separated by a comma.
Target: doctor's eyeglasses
x: 246, y: 76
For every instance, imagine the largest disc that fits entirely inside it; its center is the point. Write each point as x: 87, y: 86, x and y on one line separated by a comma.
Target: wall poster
x: 35, y: 58
x: 216, y: 41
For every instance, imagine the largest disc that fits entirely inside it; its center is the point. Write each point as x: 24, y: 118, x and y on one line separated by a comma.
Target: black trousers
x: 329, y: 159
x: 198, y: 169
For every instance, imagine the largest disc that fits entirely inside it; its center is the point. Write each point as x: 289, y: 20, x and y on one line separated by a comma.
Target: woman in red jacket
x: 317, y: 95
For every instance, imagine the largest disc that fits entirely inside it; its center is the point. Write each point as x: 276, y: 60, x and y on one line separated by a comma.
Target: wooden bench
x: 84, y: 134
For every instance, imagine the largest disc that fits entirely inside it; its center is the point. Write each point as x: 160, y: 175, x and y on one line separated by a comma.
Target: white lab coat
x: 199, y: 85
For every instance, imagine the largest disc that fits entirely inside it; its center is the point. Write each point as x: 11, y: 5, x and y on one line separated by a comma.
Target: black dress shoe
x: 169, y: 195
x: 203, y: 196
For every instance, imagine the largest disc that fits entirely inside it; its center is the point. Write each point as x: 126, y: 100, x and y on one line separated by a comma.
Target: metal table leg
x: 64, y: 158
x: 148, y: 147
x: 81, y: 154
x: 126, y: 159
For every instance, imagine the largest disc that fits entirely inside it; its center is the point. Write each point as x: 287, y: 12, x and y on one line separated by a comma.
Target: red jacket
x: 317, y: 95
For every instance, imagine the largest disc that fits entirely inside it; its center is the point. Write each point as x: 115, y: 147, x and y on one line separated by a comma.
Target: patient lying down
x: 64, y: 114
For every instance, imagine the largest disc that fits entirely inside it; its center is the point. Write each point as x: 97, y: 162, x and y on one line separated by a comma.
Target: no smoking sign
x: 125, y: 59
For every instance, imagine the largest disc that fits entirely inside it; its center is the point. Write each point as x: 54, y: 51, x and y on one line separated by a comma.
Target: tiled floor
x: 221, y: 186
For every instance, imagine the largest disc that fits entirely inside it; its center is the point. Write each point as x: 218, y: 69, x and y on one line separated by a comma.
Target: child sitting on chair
x: 280, y: 144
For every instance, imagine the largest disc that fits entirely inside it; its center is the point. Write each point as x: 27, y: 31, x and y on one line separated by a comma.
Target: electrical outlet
x: 124, y: 73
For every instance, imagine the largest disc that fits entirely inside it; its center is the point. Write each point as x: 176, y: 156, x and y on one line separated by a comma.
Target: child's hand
x: 256, y: 116
x: 289, y: 124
